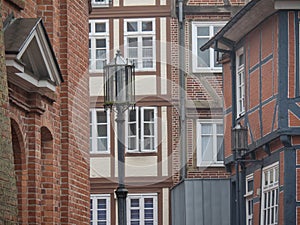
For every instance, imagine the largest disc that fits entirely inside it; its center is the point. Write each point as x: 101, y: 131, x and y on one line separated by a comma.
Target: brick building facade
x: 200, y: 177
x: 44, y: 112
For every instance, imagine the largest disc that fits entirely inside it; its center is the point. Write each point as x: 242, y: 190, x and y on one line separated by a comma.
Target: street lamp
x: 239, y: 141
x: 119, y: 91
x: 239, y: 146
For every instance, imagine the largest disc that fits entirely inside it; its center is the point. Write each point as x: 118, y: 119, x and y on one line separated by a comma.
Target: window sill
x: 211, y: 165
x: 144, y: 153
x: 207, y: 70
x: 99, y: 154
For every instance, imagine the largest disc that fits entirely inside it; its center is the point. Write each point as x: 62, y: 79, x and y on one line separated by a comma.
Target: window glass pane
x: 90, y: 27
x: 148, y: 115
x: 100, y: 27
x: 134, y: 223
x: 134, y: 203
x: 132, y: 129
x: 203, y: 56
x: 100, y: 43
x: 135, y: 214
x: 132, y: 115
x: 132, y: 42
x: 147, y: 53
x: 202, y: 31
x: 207, y: 148
x: 148, y: 203
x: 220, y: 129
x: 147, y: 41
x: 101, y: 117
x: 147, y: 26
x: 132, y: 26
x: 133, y: 53
x: 220, y: 154
x: 241, y: 59
x: 102, y: 144
x: 149, y: 129
x: 250, y: 185
x: 132, y: 143
x: 206, y: 128
x: 101, y: 54
x: 147, y: 64
x: 148, y: 222
x: 101, y: 215
x: 148, y: 213
x: 149, y: 143
x: 101, y: 130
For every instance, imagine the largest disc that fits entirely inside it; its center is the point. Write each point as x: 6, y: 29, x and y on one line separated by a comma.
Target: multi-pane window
x: 100, y: 210
x: 205, y: 61
x: 249, y: 199
x: 210, y: 143
x: 270, y: 184
x: 240, y: 82
x: 98, y: 44
x: 100, y: 3
x: 140, y: 42
x: 142, y: 129
x: 142, y: 209
x: 99, y: 131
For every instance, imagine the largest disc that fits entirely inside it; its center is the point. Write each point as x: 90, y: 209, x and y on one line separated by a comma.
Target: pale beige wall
x: 138, y: 2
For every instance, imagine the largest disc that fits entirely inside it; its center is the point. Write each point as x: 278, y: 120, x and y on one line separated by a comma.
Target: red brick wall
x: 50, y: 139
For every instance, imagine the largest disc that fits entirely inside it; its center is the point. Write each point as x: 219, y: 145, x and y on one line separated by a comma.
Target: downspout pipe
x: 182, y: 86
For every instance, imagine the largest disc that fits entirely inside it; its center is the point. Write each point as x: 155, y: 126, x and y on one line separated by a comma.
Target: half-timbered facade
x: 141, y: 31
x: 261, y: 92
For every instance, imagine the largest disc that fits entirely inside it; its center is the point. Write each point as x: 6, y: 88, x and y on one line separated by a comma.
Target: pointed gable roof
x: 30, y: 60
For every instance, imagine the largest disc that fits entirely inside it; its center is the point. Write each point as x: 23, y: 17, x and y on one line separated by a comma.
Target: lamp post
x: 239, y: 145
x: 119, y: 92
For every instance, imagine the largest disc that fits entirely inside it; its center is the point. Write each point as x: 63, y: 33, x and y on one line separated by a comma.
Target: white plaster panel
x: 164, y: 143
x: 145, y: 85
x: 116, y: 34
x: 116, y: 3
x: 137, y: 166
x: 163, y: 54
x: 138, y: 2
x: 100, y: 167
x: 96, y: 86
x: 163, y: 2
x: 165, y: 206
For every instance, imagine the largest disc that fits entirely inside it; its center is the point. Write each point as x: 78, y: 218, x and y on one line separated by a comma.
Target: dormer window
x: 30, y: 60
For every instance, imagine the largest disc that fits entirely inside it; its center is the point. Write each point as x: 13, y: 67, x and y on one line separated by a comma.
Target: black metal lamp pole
x: 239, y: 145
x: 119, y: 91
x: 121, y: 191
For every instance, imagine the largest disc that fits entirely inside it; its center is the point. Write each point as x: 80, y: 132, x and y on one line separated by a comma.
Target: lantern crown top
x: 119, y: 60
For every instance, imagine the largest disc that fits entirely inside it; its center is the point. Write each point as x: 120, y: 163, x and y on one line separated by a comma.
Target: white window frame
x: 93, y: 208
x: 140, y: 136
x: 214, y: 162
x: 93, y: 36
x: 195, y: 47
x: 93, y: 136
x: 249, y: 200
x: 141, y: 209
x: 139, y: 34
x: 269, y: 188
x: 240, y: 84
x: 103, y: 3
